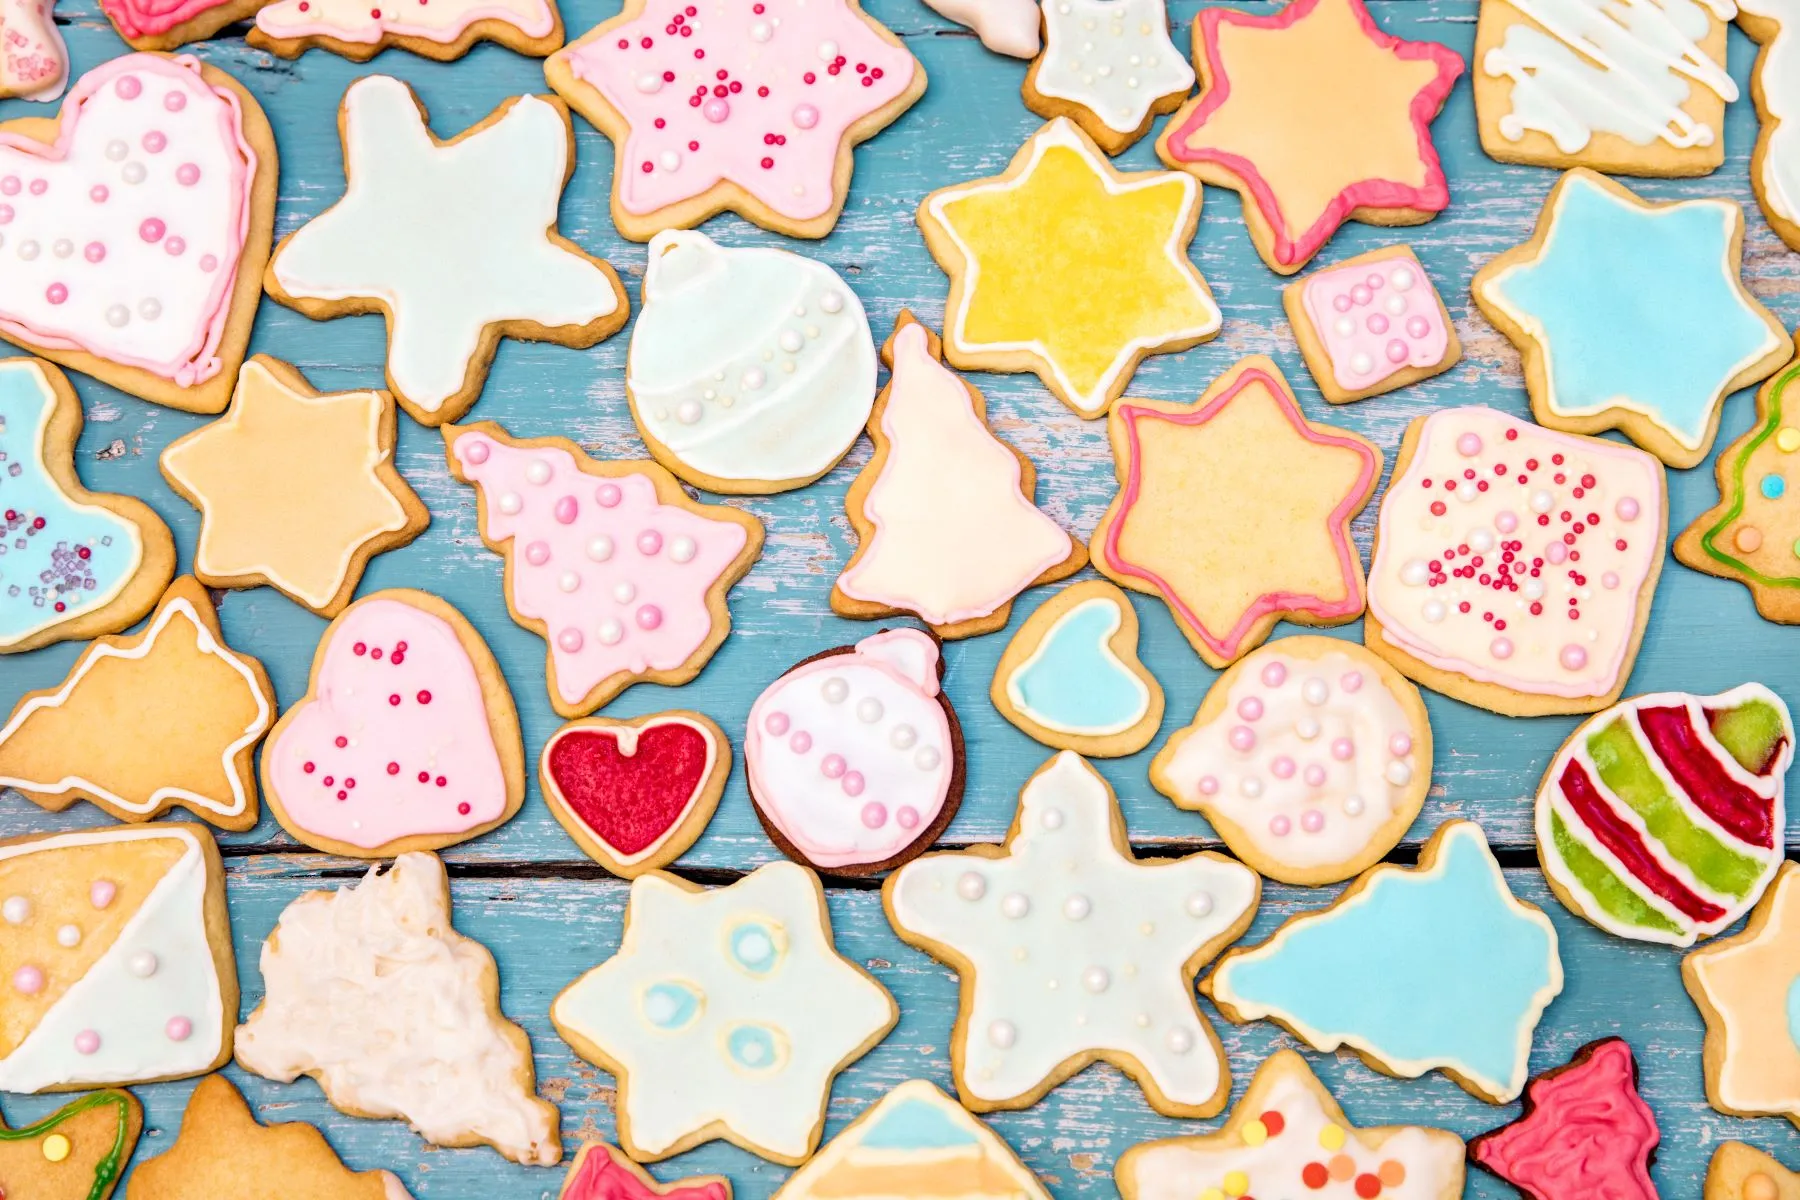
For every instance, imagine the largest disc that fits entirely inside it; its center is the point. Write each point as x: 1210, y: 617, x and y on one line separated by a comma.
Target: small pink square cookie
x: 1371, y: 324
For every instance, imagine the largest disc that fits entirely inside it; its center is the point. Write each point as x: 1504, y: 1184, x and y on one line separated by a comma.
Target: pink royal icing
x: 619, y: 579
x: 1376, y: 319
x: 395, y: 740
x: 121, y: 238
x: 148, y: 18
x: 755, y: 94
x: 1516, y: 555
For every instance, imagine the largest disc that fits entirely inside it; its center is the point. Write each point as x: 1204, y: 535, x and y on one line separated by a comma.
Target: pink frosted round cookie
x: 854, y: 757
x: 407, y: 738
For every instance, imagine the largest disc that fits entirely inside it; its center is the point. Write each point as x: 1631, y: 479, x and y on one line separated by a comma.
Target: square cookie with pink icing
x: 1371, y: 324
x: 1514, y: 565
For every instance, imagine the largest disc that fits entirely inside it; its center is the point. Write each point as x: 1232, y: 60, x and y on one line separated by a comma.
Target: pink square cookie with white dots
x: 1371, y: 324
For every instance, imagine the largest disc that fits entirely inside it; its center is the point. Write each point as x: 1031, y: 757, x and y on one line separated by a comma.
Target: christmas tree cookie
x: 77, y: 1152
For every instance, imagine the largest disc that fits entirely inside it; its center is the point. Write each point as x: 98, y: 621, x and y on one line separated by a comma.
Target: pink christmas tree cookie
x: 609, y: 562
x: 719, y: 105
x: 1371, y: 324
x: 407, y: 738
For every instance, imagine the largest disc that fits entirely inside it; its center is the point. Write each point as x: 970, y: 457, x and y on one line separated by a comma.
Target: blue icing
x: 753, y: 946
x: 1639, y: 305
x: 1073, y: 683
x: 670, y: 1005
x: 1427, y: 968
x: 1793, y: 1012
x: 917, y: 1125
x: 1773, y: 486
x: 42, y: 534
x: 753, y: 1047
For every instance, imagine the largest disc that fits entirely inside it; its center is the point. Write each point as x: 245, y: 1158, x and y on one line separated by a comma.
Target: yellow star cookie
x: 1236, y: 510
x: 1066, y: 267
x: 1748, y: 989
x: 1740, y: 1172
x: 296, y: 489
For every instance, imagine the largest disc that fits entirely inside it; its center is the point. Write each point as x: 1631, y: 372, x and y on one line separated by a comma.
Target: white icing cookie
x: 1109, y: 66
x: 1005, y: 26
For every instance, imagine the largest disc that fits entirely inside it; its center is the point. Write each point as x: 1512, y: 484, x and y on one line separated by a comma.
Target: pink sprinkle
x: 1283, y: 767
x: 1250, y: 708
x: 716, y: 110
x: 155, y: 142
x: 1377, y: 323
x: 874, y: 814
x: 801, y: 742
x: 832, y: 765
x: 566, y: 510
x: 1556, y: 552
x: 537, y: 553
x: 649, y: 617
x: 1343, y: 749
x: 39, y: 186
x: 608, y: 495
x: 6, y: 214
x: 28, y: 981
x: 1400, y: 745
x: 1352, y: 681
x: 1209, y: 786
x: 1274, y: 675
x: 175, y: 246
x: 98, y: 193
x: 1341, y: 302
x: 175, y: 101
x: 152, y: 230
x: 209, y: 262
x: 1627, y: 509
x: 475, y: 452
x: 9, y: 186
x: 87, y: 1041
x: 95, y: 252
x: 187, y: 174
x: 1573, y: 657
x: 569, y: 640
x: 1242, y: 738
x: 1314, y: 775
x: 1396, y: 350
x: 776, y: 723
x: 908, y: 817
x: 128, y: 87
x: 1280, y: 826
x: 805, y: 116
x: 853, y: 786
x: 1506, y: 522
x: 1501, y: 647
x: 649, y: 542
x: 1375, y: 282
x: 101, y: 892
x: 1418, y: 327
x: 56, y: 293
x: 1360, y: 295
x: 179, y: 1029
x: 1610, y: 580
x: 1312, y: 820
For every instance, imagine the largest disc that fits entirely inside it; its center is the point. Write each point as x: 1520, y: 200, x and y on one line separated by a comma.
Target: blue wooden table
x: 548, y: 914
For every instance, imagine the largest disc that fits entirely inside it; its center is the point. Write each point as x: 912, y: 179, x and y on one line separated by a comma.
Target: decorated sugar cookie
x: 1741, y: 1172
x: 609, y: 562
x: 370, y: 991
x: 295, y: 488
x: 1084, y: 317
x: 1288, y: 1137
x: 1072, y: 952
x: 77, y: 563
x: 1775, y: 84
x: 406, y: 739
x: 1434, y: 967
x: 443, y: 29
x: 1371, y: 324
x: 1752, y: 534
x: 1585, y: 1131
x: 1579, y: 300
x: 1310, y: 756
x: 1109, y: 66
x: 35, y: 60
x: 166, y: 717
x: 1661, y: 818
x: 1745, y: 988
x: 1271, y: 121
x: 945, y: 517
x: 78, y: 1152
x: 725, y: 1013
x: 1635, y: 89
x: 635, y: 794
x: 452, y: 277
x: 601, y: 1172
x: 854, y: 758
x: 915, y: 1141
x: 138, y: 223
x: 117, y: 957
x: 751, y: 370
x: 732, y: 108
x: 1475, y: 587
x: 222, y: 1151
x: 1006, y: 26
x: 1072, y: 679
x: 1194, y: 522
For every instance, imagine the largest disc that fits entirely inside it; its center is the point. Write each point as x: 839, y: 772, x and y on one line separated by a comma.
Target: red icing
x: 1707, y: 782
x: 630, y: 802
x: 598, y: 1176
x: 1586, y: 1133
x: 1627, y: 845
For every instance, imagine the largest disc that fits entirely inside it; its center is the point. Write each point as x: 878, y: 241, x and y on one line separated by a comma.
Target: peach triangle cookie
x: 73, y: 563
x: 295, y: 488
x: 1032, y: 288
x: 754, y: 109
x: 78, y: 1152
x: 144, y: 722
x: 1740, y: 1172
x: 1235, y: 511
x: 944, y: 512
x: 1273, y: 121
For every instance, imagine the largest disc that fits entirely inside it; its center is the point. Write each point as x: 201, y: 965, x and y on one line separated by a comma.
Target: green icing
x: 1710, y: 541
x: 1608, y: 891
x: 1627, y: 773
x: 1752, y: 732
x: 106, y: 1171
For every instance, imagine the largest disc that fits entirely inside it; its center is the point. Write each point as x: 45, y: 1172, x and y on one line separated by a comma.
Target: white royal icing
x: 1112, y: 57
x: 1076, y: 949
x: 1005, y: 26
x: 753, y: 364
x: 369, y: 21
x: 1778, y: 75
x: 450, y: 238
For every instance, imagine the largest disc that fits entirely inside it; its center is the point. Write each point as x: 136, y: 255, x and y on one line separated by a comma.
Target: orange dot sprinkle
x: 1341, y: 1166
x: 1392, y: 1172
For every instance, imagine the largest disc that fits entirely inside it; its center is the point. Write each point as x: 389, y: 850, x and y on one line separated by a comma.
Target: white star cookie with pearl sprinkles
x: 1288, y: 1137
x: 118, y: 962
x: 454, y: 242
x: 716, y: 106
x: 1109, y: 66
x: 1311, y: 757
x: 1514, y: 565
x: 1073, y: 952
x: 725, y: 1013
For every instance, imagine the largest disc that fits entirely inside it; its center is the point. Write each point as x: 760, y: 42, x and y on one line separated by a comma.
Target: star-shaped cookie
x: 1288, y: 1137
x: 1235, y: 511
x: 296, y: 489
x: 1034, y: 288
x: 1632, y: 315
x: 1109, y: 66
x: 726, y: 1013
x: 455, y: 242
x: 1317, y: 117
x: 714, y: 105
x: 1072, y: 952
x: 1747, y: 987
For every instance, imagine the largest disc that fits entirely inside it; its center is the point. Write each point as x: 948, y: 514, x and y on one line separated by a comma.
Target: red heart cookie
x: 635, y: 794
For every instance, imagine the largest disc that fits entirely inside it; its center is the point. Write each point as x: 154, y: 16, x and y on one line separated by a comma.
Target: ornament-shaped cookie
x: 1109, y: 66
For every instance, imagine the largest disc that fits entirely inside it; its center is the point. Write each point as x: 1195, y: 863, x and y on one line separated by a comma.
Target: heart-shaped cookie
x: 134, y: 228
x: 635, y: 794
